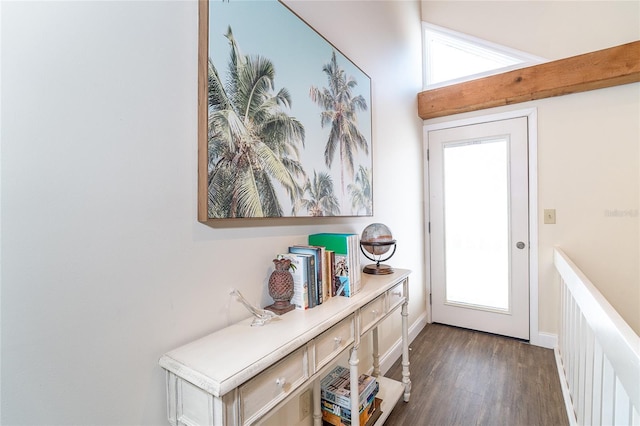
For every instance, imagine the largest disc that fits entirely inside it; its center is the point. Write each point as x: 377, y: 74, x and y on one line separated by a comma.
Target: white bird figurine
x: 261, y: 316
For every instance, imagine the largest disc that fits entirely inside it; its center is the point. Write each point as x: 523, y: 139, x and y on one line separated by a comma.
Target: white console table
x: 239, y: 374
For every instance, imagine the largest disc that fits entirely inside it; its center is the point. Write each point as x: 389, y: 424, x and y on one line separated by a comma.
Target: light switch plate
x: 549, y: 216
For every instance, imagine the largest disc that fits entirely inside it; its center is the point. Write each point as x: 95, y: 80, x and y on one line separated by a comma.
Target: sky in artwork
x: 267, y: 28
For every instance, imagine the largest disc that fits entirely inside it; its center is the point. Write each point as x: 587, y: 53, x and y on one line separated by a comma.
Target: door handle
x: 520, y: 245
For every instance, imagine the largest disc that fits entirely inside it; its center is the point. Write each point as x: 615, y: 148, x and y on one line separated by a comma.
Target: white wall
x: 588, y: 143
x: 104, y: 266
x: 550, y: 29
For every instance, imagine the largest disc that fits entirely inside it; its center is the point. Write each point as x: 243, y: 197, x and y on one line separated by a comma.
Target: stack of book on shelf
x: 344, y: 258
x: 328, y: 266
x: 335, y: 391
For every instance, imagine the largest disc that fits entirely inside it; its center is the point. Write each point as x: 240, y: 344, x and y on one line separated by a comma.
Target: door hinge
x: 430, y: 299
x: 427, y: 155
x: 429, y: 226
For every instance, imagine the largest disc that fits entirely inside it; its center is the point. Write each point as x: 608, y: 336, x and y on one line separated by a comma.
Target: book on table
x: 345, y: 412
x: 335, y: 387
x: 337, y: 414
x: 302, y: 264
x: 367, y: 418
x: 329, y: 286
x: 312, y: 288
x: 318, y: 253
x: 347, y: 260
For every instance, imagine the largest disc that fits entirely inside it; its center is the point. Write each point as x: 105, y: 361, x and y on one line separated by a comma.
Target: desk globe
x: 376, y: 240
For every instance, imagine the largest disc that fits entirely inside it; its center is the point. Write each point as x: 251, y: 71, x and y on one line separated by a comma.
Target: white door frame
x: 535, y: 338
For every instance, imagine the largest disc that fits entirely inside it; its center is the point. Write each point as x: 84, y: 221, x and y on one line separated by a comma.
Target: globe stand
x: 378, y: 269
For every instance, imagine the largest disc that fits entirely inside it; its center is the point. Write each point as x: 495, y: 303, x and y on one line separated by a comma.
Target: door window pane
x: 476, y: 219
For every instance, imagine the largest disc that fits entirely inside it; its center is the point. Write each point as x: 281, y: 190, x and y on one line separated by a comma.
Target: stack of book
x: 311, y: 262
x: 345, y: 261
x: 301, y: 266
x: 335, y: 391
x: 328, y: 266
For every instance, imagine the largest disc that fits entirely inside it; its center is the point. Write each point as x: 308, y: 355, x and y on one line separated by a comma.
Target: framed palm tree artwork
x: 284, y: 118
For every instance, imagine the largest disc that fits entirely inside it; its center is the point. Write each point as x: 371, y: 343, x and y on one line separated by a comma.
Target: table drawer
x: 333, y: 341
x: 261, y: 393
x: 371, y: 312
x: 395, y: 296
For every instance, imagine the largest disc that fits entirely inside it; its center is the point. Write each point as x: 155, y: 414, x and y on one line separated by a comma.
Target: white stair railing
x: 598, y: 354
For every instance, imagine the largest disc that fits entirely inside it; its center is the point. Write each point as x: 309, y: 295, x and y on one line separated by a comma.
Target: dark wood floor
x: 463, y: 377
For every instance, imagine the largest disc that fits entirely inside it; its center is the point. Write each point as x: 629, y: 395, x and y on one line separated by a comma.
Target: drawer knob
x: 338, y: 340
x: 375, y: 312
x: 397, y: 293
x: 281, y: 381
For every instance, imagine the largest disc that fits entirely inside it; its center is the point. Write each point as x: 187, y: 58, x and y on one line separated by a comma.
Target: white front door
x: 479, y: 221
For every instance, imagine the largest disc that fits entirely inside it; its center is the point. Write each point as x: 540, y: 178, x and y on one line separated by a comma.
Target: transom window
x: 451, y: 57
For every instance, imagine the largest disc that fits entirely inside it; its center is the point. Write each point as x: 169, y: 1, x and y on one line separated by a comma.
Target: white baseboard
x: 391, y: 356
x: 545, y: 340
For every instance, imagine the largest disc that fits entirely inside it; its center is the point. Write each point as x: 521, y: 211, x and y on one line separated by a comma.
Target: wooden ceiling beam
x: 595, y: 70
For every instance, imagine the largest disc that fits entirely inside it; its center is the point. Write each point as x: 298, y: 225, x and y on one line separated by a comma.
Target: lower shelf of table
x: 390, y: 392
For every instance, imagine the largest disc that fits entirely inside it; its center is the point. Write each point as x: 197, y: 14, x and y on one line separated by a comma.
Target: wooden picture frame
x: 284, y: 118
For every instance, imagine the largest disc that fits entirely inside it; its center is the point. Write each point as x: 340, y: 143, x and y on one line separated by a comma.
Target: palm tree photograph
x: 288, y: 121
